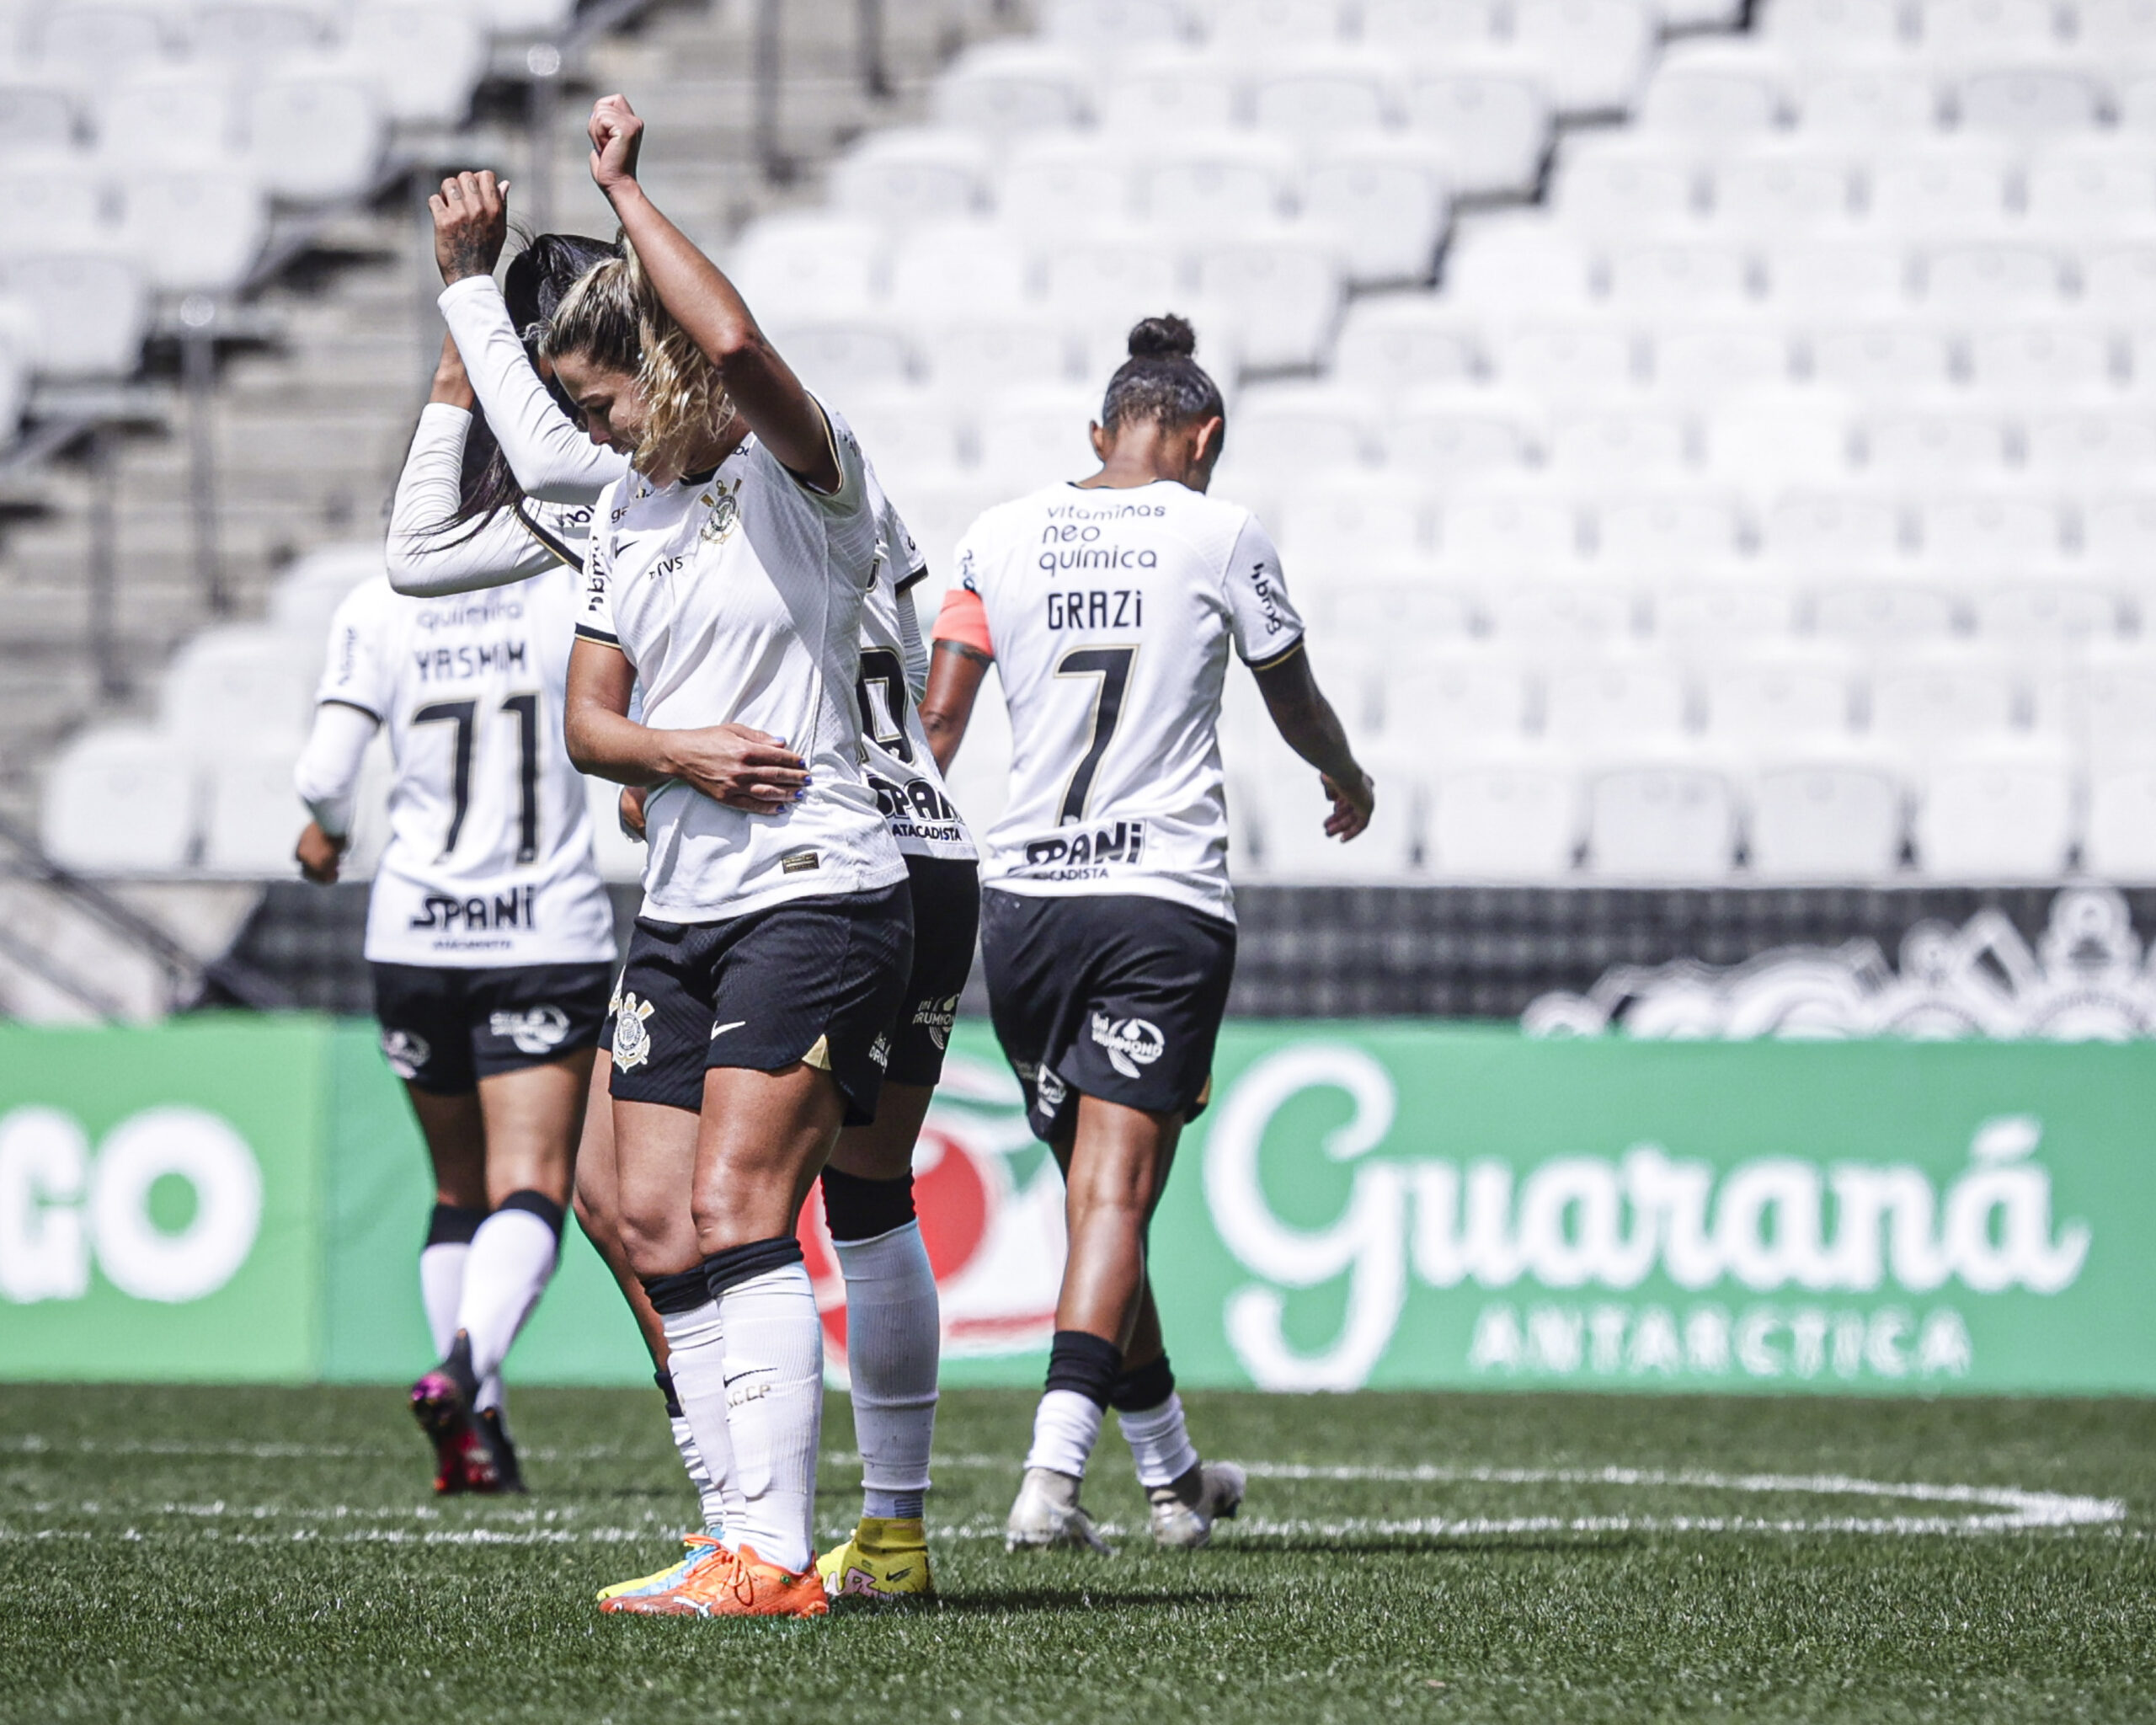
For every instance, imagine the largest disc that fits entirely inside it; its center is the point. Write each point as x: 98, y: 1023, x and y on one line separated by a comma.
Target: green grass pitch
x: 242, y: 1555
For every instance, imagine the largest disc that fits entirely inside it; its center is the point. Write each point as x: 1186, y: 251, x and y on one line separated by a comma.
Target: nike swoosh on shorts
x: 720, y: 1030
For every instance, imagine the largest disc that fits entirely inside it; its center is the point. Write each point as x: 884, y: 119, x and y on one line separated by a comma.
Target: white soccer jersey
x: 738, y: 596
x: 1109, y: 614
x: 894, y: 750
x: 489, y: 860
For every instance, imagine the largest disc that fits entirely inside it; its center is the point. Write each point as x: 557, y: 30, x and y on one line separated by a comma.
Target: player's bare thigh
x: 456, y: 1133
x: 883, y: 1149
x: 534, y: 1116
x: 765, y: 1136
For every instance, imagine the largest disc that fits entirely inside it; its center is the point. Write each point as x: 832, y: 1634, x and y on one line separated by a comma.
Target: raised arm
x: 1306, y: 719
x: 549, y: 454
x: 769, y: 396
x: 426, y: 558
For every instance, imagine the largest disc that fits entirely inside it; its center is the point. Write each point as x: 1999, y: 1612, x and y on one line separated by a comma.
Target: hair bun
x: 1169, y: 338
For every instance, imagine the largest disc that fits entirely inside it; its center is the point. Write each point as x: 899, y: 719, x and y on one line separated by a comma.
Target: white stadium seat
x: 1883, y: 613
x: 1709, y: 359
x: 813, y: 264
x: 1669, y: 823
x: 2093, y: 448
x: 1619, y: 448
x: 1647, y: 279
x: 1324, y: 97
x: 1764, y: 703
x: 2118, y: 841
x: 1685, y: 529
x: 2007, y: 280
x: 1813, y: 279
x: 1774, y: 191
x: 1821, y: 527
x: 1382, y: 204
x: 1442, y: 437
x: 1592, y: 53
x: 1314, y: 425
x: 973, y: 354
x: 1238, y: 27
x: 1503, y: 533
x: 2080, y: 188
x: 1429, y: 30
x: 197, y: 228
x: 239, y: 680
x: 1222, y: 183
x: 1494, y: 125
x: 1940, y: 448
x: 1170, y: 90
x: 842, y: 356
x: 908, y: 176
x: 1829, y: 818
x: 1032, y: 437
x: 2119, y: 533
x: 1459, y: 701
x: 1004, y: 88
x: 1354, y: 514
x: 1826, y: 29
x: 1947, y: 189
x: 1510, y: 818
x: 424, y: 59
x: 1873, y: 102
x: 1120, y: 274
x: 942, y: 269
x: 1989, y: 530
x: 167, y: 119
x: 1285, y: 292
x: 2040, y: 362
x: 1890, y: 358
x: 1715, y: 612
x: 245, y: 35
x: 2006, y: 814
x: 2107, y: 29
x: 1575, y: 361
x: 92, y: 309
x: 1923, y: 707
x: 1614, y: 702
x: 1988, y: 27
x: 1399, y: 342
x: 2120, y: 279
x: 251, y: 815
x: 122, y: 800
x: 40, y: 116
x: 96, y: 41
x: 59, y: 206
x: 314, y: 137
x: 2028, y: 103
x: 1106, y: 29
x: 1711, y: 95
x: 1582, y: 612
x: 1617, y: 188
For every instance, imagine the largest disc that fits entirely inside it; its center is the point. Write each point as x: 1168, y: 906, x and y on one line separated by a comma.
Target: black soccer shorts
x: 1115, y: 996
x: 945, y: 923
x: 443, y: 1028
x: 817, y: 980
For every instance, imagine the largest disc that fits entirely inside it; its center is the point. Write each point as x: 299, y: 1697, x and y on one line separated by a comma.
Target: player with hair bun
x: 1109, y: 605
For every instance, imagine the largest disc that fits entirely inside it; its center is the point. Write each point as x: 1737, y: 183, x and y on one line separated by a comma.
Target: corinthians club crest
x: 724, y: 503
x: 632, y: 1040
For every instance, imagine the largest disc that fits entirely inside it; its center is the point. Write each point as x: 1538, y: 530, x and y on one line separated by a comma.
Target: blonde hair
x: 614, y: 318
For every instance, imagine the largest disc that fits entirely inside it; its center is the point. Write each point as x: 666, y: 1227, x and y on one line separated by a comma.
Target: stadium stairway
x: 310, y: 418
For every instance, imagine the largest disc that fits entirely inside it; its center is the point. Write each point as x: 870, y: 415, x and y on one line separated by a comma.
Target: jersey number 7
x: 1111, y: 666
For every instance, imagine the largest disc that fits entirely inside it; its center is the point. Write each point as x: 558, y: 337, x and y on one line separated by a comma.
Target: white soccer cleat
x: 1182, y: 1525
x: 1047, y: 1517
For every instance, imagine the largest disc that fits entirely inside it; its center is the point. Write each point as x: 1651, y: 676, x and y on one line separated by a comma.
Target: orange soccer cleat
x: 725, y: 1583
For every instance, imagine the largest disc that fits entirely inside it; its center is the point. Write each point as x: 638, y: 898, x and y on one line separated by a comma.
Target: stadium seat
x: 251, y: 815
x: 1685, y: 529
x: 1222, y: 183
x: 1363, y: 598
x: 1772, y: 191
x: 539, y: 18
x: 1382, y: 204
x: 2120, y: 279
x: 238, y: 680
x: 1459, y: 701
x: 92, y: 310
x: 1518, y: 265
x: 2041, y: 362
x: 93, y: 42
x: 1786, y: 701
x: 620, y: 857
x: 1988, y: 531
x: 150, y: 775
x: 1711, y: 360
x: 2119, y: 533
x: 2118, y: 841
x: 1594, y: 54
x: 1995, y: 28
x: 2114, y: 30
x: 1993, y: 280
x: 1711, y: 613
x: 1114, y: 275
x: 425, y: 61
x: 1826, y: 30
x: 1324, y: 96
x: 1829, y: 279
x: 168, y: 119
x: 1056, y: 187
x: 245, y: 36
x: 1243, y: 27
x: 973, y: 354
x: 1168, y: 91
x: 943, y: 269
x: 2092, y: 448
x: 1315, y: 426
x: 1670, y: 823
x: 2079, y: 188
x: 1959, y: 189
x: 1104, y: 29
x: 1831, y: 819
x: 1507, y: 532
x: 1768, y: 441
x: 1924, y: 705
x: 1619, y: 448
x: 1649, y: 278
x: 1349, y: 513
x: 1395, y: 342
x: 909, y: 433
x: 909, y: 176
x: 840, y: 357
x: 2023, y: 613
x: 1031, y: 437
x: 1575, y: 361
x: 1883, y: 613
x: 1816, y: 528
x: 1940, y: 448
x: 1704, y: 91
x: 194, y: 228
x: 1583, y: 611
x: 2027, y: 103
x: 1285, y: 292
x: 1873, y: 102
x: 1510, y: 818
x: 314, y: 137
x: 1622, y: 185
x: 1894, y: 359
x: 57, y: 206
x: 1441, y: 437
x: 1001, y: 90
x: 2006, y: 814
x: 1495, y: 125
x: 1290, y: 815
x: 40, y: 118
x: 1614, y: 700
x: 1428, y: 30
x: 813, y: 264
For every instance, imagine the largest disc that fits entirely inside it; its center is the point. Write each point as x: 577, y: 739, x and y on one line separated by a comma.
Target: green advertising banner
x: 1403, y: 1204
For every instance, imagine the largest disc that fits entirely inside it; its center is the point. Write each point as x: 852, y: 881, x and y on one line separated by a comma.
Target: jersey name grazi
x: 489, y: 858
x: 1110, y: 614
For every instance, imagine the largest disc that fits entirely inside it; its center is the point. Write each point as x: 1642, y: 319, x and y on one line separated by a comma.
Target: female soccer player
x: 1110, y: 605
x: 727, y: 577
x: 894, y: 1320
x: 488, y: 929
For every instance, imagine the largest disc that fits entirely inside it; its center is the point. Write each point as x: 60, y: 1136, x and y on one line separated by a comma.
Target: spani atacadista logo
x: 61, y: 1206
x: 1636, y: 1266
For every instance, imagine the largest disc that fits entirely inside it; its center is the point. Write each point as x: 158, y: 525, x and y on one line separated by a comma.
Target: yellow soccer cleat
x: 884, y: 1562
x: 660, y: 1581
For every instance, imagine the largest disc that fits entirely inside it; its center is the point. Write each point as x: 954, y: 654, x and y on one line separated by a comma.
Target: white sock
x: 696, y: 1360
x: 893, y: 1336
x: 1158, y: 1443
x: 441, y: 1287
x: 775, y: 1410
x: 1065, y: 1427
x: 513, y: 1258
x: 710, y: 1497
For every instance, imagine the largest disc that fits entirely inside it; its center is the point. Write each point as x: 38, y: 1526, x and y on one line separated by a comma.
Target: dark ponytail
x: 1161, y: 380
x: 536, y: 280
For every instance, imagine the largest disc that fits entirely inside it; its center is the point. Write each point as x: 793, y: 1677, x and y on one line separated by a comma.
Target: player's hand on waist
x: 741, y: 767
x: 319, y: 854
x: 1352, y: 806
x: 629, y: 810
